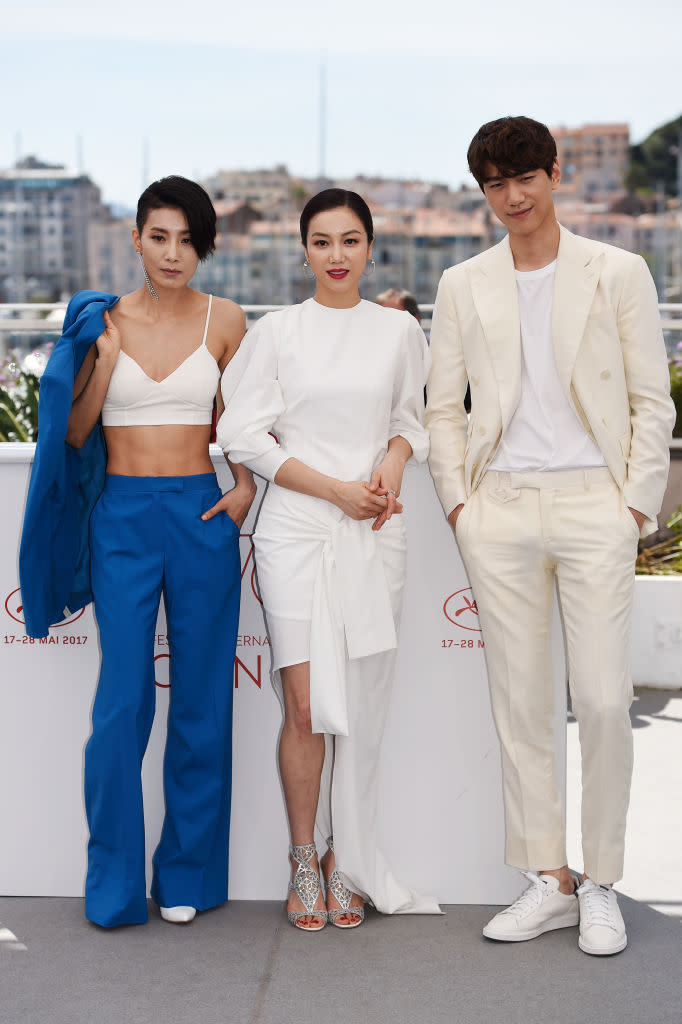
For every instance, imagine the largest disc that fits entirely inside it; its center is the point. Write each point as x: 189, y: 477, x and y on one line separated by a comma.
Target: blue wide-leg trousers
x: 147, y: 538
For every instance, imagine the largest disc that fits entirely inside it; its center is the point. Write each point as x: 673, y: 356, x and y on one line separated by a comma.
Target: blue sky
x: 211, y: 86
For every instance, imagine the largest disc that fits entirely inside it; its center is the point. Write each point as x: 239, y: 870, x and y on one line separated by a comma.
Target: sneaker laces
x: 597, y: 902
x: 530, y: 898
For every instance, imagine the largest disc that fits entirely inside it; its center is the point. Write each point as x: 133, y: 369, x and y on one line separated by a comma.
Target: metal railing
x: 12, y: 322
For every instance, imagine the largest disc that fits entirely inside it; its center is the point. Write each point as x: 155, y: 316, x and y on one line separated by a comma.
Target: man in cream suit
x: 560, y: 467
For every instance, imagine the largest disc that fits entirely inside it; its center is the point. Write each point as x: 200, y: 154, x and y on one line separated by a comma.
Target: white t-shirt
x: 544, y: 433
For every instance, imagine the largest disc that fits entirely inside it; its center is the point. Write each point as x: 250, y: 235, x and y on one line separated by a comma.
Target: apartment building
x: 593, y: 159
x: 45, y: 213
x: 114, y: 266
x: 57, y: 237
x: 260, y: 188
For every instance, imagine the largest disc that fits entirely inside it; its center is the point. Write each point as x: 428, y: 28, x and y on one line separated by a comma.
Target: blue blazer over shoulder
x: 54, y: 558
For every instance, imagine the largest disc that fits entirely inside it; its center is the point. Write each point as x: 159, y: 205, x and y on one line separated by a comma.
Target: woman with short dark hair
x: 160, y: 524
x: 339, y: 381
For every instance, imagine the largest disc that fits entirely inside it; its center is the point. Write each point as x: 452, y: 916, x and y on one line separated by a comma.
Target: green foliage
x: 676, y: 395
x: 655, y: 160
x: 663, y: 557
x: 19, y: 387
x: 298, y: 192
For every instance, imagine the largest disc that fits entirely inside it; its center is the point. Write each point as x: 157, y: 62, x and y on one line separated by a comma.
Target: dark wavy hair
x: 514, y: 145
x: 332, y: 199
x: 192, y: 199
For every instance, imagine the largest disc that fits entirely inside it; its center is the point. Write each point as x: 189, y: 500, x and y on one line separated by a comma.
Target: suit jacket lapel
x: 493, y: 287
x: 577, y: 276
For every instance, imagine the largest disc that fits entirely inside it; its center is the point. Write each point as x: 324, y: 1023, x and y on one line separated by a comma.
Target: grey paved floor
x: 243, y: 963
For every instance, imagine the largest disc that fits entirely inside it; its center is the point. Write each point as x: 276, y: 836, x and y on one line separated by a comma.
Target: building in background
x: 45, y: 215
x: 57, y: 237
x: 113, y: 263
x: 593, y: 159
x: 259, y: 188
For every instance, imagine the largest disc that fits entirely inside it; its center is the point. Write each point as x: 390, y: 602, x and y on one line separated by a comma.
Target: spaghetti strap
x: 208, y: 317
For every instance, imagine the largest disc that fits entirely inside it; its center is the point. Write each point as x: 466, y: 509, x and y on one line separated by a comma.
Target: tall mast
x: 322, y: 172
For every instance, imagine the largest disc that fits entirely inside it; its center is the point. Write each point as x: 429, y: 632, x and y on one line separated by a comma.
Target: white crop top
x: 184, y: 396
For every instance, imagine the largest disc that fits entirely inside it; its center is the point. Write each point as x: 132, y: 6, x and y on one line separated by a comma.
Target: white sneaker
x: 602, y: 929
x: 178, y: 915
x: 541, y: 908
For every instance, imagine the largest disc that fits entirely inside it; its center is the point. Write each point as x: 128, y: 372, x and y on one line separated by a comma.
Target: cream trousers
x: 517, y: 533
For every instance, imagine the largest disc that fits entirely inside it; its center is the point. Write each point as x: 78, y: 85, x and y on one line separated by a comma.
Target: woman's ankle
x: 327, y: 862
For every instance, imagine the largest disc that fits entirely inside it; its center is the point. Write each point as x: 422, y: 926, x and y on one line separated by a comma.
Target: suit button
x: 482, y: 430
x: 474, y: 380
x: 605, y: 374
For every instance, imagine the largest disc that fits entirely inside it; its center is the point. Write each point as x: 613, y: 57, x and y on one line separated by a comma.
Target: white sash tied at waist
x: 351, y: 612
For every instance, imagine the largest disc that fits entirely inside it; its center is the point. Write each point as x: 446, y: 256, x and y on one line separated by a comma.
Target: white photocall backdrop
x: 441, y: 802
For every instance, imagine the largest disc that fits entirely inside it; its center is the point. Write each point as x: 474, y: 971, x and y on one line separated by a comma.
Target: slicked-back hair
x: 514, y: 145
x: 182, y: 194
x: 333, y: 199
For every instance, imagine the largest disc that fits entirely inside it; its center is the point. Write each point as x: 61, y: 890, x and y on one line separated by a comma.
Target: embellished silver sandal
x: 343, y: 895
x: 306, y: 885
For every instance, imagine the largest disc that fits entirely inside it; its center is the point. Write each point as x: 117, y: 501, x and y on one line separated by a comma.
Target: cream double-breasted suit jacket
x: 609, y: 351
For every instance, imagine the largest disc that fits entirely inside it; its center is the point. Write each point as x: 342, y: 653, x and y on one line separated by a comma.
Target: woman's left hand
x: 236, y: 503
x: 387, y: 479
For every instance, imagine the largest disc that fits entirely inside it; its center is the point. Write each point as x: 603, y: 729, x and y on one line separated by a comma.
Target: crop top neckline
x: 185, y: 360
x: 184, y: 396
x: 168, y: 376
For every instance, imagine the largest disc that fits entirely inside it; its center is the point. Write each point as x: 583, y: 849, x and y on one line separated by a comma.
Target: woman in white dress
x: 339, y: 381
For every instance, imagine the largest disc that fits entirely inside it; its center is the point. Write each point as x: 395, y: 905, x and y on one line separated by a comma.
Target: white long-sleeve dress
x: 331, y: 387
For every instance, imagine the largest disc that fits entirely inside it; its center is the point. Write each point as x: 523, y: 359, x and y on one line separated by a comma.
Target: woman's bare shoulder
x: 229, y: 318
x: 228, y: 323
x: 227, y: 311
x: 127, y: 307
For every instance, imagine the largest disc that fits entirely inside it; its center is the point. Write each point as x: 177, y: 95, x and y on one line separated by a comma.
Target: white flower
x: 35, y: 363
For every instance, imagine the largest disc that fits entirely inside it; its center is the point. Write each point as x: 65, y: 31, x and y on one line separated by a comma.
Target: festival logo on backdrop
x: 249, y: 580
x: 252, y: 660
x: 461, y: 610
x: 161, y: 670
x: 15, y: 610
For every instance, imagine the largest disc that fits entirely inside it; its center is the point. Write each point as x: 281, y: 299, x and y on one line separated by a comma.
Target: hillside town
x: 57, y: 235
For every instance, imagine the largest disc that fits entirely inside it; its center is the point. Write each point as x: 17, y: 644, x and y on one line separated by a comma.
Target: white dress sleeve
x: 407, y: 412
x: 253, y: 402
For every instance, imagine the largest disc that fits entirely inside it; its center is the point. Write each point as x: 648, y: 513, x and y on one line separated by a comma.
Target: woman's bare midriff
x: 168, y: 450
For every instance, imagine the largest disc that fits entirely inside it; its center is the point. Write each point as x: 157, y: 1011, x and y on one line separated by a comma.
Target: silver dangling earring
x: 150, y: 286
x: 369, y: 270
x: 307, y: 271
